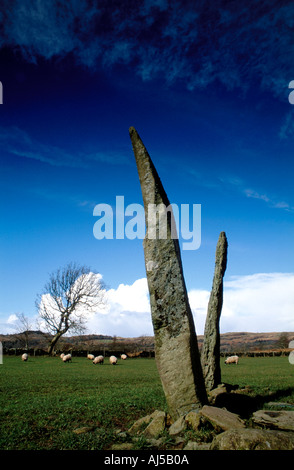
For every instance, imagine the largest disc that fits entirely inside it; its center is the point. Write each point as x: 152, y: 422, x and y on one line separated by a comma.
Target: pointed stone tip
x: 222, y: 239
x: 132, y: 130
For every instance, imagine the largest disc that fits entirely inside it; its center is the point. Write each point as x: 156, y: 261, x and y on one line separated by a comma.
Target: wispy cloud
x: 254, y: 194
x: 19, y: 143
x: 239, y: 185
x: 287, y: 128
x: 127, y: 312
x: 251, y: 193
x: 198, y: 43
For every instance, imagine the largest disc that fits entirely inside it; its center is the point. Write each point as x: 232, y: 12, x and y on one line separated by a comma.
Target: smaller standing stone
x: 210, y: 355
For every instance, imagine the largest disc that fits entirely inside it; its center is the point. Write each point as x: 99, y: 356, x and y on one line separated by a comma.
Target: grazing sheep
x: 113, y: 360
x: 90, y: 356
x: 232, y: 360
x: 123, y: 356
x: 67, y: 358
x: 135, y: 354
x: 24, y: 357
x: 98, y: 360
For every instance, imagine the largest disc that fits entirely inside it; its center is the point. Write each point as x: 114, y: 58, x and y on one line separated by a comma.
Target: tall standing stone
x: 210, y: 355
x: 176, y: 347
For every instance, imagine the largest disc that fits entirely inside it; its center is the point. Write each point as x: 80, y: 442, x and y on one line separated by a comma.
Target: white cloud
x: 12, y: 319
x: 8, y: 323
x: 134, y: 298
x: 198, y: 302
x: 261, y: 302
x: 127, y: 313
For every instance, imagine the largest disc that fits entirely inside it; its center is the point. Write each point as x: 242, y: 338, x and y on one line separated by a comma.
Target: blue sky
x: 206, y: 86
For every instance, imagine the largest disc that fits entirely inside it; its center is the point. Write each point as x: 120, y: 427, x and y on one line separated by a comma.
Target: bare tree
x: 68, y: 297
x: 283, y: 341
x: 23, y: 327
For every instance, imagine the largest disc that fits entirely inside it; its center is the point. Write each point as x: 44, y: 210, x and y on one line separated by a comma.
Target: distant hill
x: 238, y: 342
x: 245, y: 341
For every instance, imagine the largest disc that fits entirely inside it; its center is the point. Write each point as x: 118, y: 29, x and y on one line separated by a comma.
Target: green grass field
x: 44, y: 402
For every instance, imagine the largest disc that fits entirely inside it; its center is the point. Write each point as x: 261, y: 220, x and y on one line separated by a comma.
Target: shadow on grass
x: 276, y: 396
x: 244, y: 405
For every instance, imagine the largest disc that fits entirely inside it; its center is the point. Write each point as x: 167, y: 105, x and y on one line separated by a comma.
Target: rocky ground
x: 214, y: 427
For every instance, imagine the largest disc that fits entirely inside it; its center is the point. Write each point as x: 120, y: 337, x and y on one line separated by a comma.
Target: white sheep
x: 232, y: 360
x: 67, y: 358
x: 98, y: 360
x: 123, y: 357
x: 90, y: 356
x: 113, y: 360
x: 62, y: 355
x: 24, y: 357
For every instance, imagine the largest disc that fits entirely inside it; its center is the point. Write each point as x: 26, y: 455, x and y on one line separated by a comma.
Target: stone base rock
x: 150, y: 425
x: 222, y: 420
x: 253, y: 439
x: 178, y: 426
x: 123, y: 446
x: 193, y: 420
x: 191, y: 445
x: 156, y: 425
x: 282, y: 420
x: 225, y: 430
